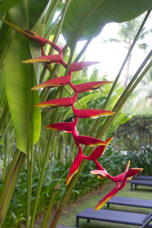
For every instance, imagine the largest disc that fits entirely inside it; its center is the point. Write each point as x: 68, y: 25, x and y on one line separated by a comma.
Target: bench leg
x: 131, y: 185
x: 108, y: 205
x: 77, y: 221
x: 135, y: 187
x: 88, y: 220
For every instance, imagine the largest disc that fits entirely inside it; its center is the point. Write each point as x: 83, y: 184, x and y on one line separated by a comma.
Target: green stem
x: 46, y: 157
x: 66, y: 196
x: 10, y: 183
x: 82, y: 50
x: 30, y: 161
x: 47, y: 216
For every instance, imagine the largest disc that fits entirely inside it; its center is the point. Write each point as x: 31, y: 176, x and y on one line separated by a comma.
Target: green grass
x: 68, y: 218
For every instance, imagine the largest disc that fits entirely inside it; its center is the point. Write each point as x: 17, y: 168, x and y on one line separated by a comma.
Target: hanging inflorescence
x: 71, y: 127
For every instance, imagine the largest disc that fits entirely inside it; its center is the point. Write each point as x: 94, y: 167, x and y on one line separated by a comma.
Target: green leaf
x: 18, y: 79
x: 27, y: 13
x: 86, y: 18
x: 5, y: 5
x: 35, y: 10
x: 5, y: 40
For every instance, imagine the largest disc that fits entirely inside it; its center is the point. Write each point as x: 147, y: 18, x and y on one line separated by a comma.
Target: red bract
x: 47, y: 59
x: 66, y: 101
x: 60, y: 81
x: 89, y: 141
x: 76, y: 66
x: 63, y: 126
x: 98, y: 165
x: 92, y: 113
x: 79, y: 158
x: 56, y: 47
x: 30, y: 34
x: 99, y: 151
x: 84, y: 87
x: 120, y: 181
x: 35, y: 37
x: 75, y: 166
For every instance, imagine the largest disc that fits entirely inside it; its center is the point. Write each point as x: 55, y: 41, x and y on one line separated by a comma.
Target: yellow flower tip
x: 101, y: 205
x: 128, y: 164
x: 51, y: 128
x: 98, y: 144
x: 35, y: 88
x: 35, y: 60
x: 70, y: 178
x: 98, y: 207
x: 43, y: 105
x: 37, y: 105
x: 109, y: 140
x: 28, y: 61
x: 102, y: 114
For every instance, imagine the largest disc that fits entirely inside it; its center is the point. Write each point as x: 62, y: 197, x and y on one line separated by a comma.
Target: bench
x: 135, y: 182
x: 133, y: 202
x: 121, y: 217
x: 144, y: 177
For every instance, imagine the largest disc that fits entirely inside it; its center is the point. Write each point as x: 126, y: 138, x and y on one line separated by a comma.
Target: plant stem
x: 10, y: 183
x: 66, y: 196
x: 47, y: 152
x: 30, y: 161
x: 82, y: 50
x: 47, y: 216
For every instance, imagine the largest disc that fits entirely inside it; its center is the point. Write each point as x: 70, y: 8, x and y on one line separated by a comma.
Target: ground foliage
x: 57, y: 174
x: 135, y: 138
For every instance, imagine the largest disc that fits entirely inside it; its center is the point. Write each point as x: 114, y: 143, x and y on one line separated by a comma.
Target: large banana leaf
x: 27, y: 14
x: 5, y: 5
x: 85, y: 19
x: 18, y: 80
x: 5, y: 40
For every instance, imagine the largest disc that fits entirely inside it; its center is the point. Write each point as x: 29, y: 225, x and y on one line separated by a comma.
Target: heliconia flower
x: 33, y: 36
x: 88, y: 141
x: 63, y: 126
x: 27, y: 33
x: 99, y: 166
x: 39, y: 39
x: 90, y: 113
x: 79, y: 158
x: 76, y: 66
x: 106, y: 198
x: 75, y: 166
x: 56, y: 47
x: 59, y: 81
x: 84, y: 87
x: 99, y: 151
x: 120, y: 180
x: 65, y: 101
x: 47, y: 59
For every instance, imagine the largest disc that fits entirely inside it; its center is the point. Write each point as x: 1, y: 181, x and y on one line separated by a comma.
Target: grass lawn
x: 68, y: 218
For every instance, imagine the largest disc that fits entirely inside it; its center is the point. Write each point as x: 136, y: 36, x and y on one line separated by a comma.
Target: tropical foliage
x: 24, y: 143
